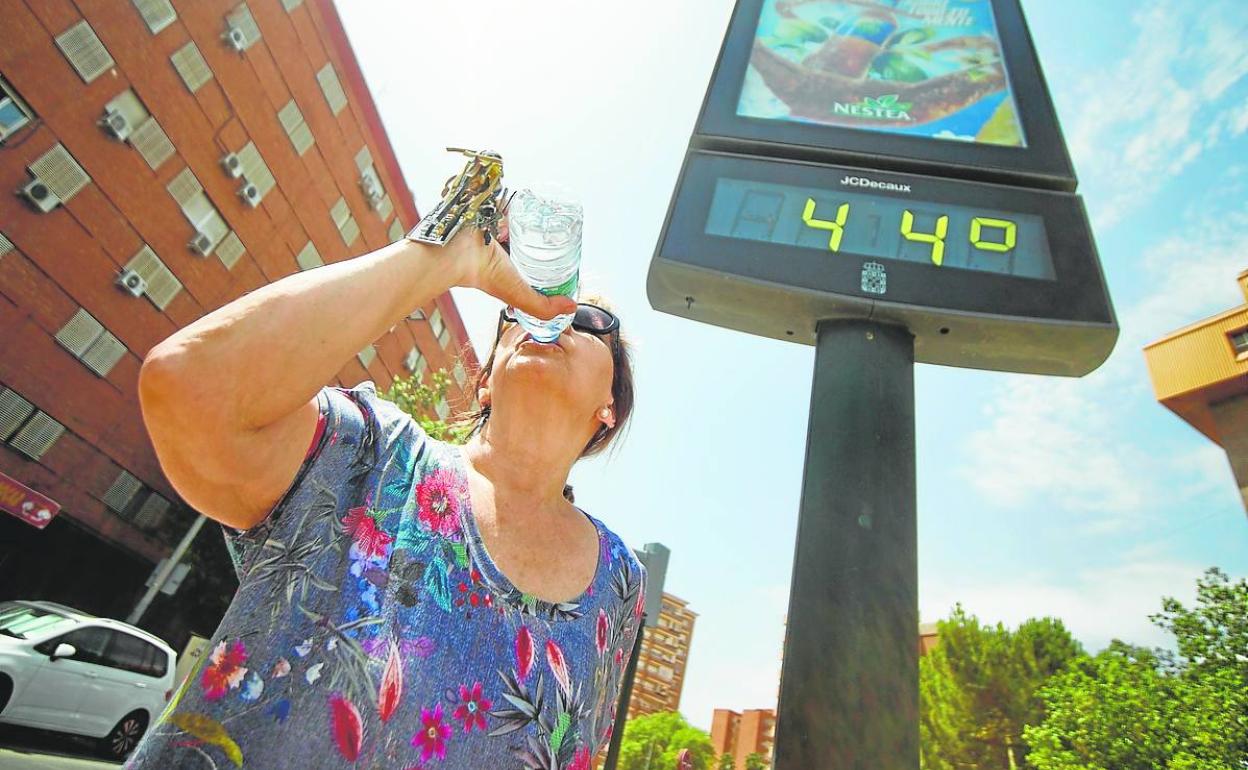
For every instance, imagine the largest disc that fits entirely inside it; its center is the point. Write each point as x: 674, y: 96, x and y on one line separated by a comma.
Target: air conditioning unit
x: 38, y: 195
x: 233, y: 165
x: 201, y: 244
x: 236, y: 39
x: 132, y: 282
x: 372, y: 190
x: 116, y: 125
x: 251, y: 194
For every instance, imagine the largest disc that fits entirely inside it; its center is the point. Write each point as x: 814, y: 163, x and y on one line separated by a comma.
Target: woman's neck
x: 528, y: 467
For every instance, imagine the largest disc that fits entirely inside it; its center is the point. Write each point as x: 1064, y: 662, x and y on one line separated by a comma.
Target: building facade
x: 1200, y: 373
x: 163, y: 159
x: 741, y: 734
x: 661, y: 664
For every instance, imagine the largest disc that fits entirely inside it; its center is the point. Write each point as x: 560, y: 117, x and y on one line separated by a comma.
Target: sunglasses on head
x: 589, y: 318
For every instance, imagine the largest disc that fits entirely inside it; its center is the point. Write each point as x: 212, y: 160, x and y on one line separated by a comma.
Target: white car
x: 61, y: 669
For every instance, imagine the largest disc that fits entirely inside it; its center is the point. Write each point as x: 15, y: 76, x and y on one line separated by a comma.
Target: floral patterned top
x: 372, y: 630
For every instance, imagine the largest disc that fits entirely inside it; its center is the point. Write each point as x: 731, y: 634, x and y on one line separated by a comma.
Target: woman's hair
x: 621, y: 390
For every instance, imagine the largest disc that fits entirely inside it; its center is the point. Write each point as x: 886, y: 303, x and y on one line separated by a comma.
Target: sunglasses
x: 589, y: 318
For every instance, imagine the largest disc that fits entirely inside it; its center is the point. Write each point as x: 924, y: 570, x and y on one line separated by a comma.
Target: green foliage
x: 654, y: 741
x: 979, y: 687
x: 1135, y: 709
x: 419, y: 399
x: 755, y: 761
x: 726, y: 762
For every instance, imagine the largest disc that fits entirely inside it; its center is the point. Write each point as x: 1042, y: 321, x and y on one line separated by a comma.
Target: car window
x: 130, y: 653
x: 157, y: 661
x: 22, y: 622
x: 89, y: 644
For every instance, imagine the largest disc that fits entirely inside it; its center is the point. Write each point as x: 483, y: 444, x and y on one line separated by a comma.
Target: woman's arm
x: 229, y: 400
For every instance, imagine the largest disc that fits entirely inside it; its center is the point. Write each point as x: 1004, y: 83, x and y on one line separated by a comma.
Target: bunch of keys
x: 475, y: 197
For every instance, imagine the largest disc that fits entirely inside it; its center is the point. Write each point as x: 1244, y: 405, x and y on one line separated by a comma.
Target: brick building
x: 159, y: 161
x: 741, y: 734
x: 1200, y: 373
x: 661, y: 663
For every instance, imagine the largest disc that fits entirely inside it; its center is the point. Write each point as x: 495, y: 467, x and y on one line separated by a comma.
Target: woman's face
x: 576, y: 370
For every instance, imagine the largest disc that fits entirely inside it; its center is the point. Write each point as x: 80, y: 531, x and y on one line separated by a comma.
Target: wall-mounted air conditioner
x: 233, y: 165
x: 201, y: 244
x: 132, y: 282
x: 236, y: 39
x: 250, y: 194
x: 116, y: 124
x: 38, y: 195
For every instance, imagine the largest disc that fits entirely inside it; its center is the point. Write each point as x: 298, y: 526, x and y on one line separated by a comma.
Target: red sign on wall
x: 27, y: 504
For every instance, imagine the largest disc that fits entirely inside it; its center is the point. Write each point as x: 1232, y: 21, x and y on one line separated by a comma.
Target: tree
x: 755, y: 761
x: 978, y: 689
x: 654, y: 742
x: 727, y: 761
x: 1134, y: 709
x: 419, y: 399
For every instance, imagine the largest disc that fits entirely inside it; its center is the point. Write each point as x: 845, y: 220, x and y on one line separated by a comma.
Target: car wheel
x: 125, y: 736
x: 6, y: 691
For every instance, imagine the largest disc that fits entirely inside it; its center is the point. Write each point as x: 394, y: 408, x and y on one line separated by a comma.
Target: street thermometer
x: 885, y: 180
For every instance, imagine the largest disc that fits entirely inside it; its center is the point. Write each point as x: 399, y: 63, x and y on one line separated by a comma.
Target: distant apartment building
x: 1200, y: 373
x: 159, y: 161
x: 660, y: 676
x: 741, y: 734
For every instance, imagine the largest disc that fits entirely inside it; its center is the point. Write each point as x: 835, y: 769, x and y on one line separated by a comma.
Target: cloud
x: 1096, y: 605
x: 1079, y: 444
x: 1155, y: 113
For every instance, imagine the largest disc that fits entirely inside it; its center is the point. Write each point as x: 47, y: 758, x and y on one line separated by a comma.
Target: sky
x: 1081, y: 499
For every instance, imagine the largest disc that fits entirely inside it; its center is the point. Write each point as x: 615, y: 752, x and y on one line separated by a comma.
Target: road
x: 34, y: 750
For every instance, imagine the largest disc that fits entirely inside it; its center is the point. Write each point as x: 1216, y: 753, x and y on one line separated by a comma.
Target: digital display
x: 941, y: 235
x: 929, y: 68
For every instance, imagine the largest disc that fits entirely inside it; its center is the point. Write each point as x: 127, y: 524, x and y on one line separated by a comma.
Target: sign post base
x: 849, y: 689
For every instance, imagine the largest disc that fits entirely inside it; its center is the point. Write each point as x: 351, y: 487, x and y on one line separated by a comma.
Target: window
x: 332, y: 88
x: 1239, y: 341
x: 435, y: 322
x: 241, y: 21
x: 130, y: 653
x: 122, y: 491
x: 309, y: 257
x: 296, y: 128
x: 415, y: 362
x: 157, y: 14
x: 14, y: 113
x: 346, y: 224
x: 191, y: 67
x: 162, y: 285
x: 89, y: 644
x: 88, y: 341
x: 255, y: 170
x: 21, y: 622
x: 396, y: 230
x: 85, y: 52
x: 5, y: 245
x: 230, y: 250
x: 367, y: 355
x: 37, y: 436
x: 57, y: 169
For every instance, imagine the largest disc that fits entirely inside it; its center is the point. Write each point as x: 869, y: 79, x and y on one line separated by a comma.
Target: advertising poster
x: 930, y: 68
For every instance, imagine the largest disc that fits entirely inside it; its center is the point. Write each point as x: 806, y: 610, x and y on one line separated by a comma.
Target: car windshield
x: 20, y: 621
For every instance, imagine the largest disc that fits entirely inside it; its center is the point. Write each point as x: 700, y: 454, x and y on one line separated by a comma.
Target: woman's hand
x: 489, y: 268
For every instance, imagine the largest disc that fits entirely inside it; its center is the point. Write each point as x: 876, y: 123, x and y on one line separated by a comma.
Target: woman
x: 402, y: 603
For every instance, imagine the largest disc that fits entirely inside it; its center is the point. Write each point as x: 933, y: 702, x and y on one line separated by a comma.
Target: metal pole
x: 626, y: 694
x: 162, y: 576
x: 849, y: 688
